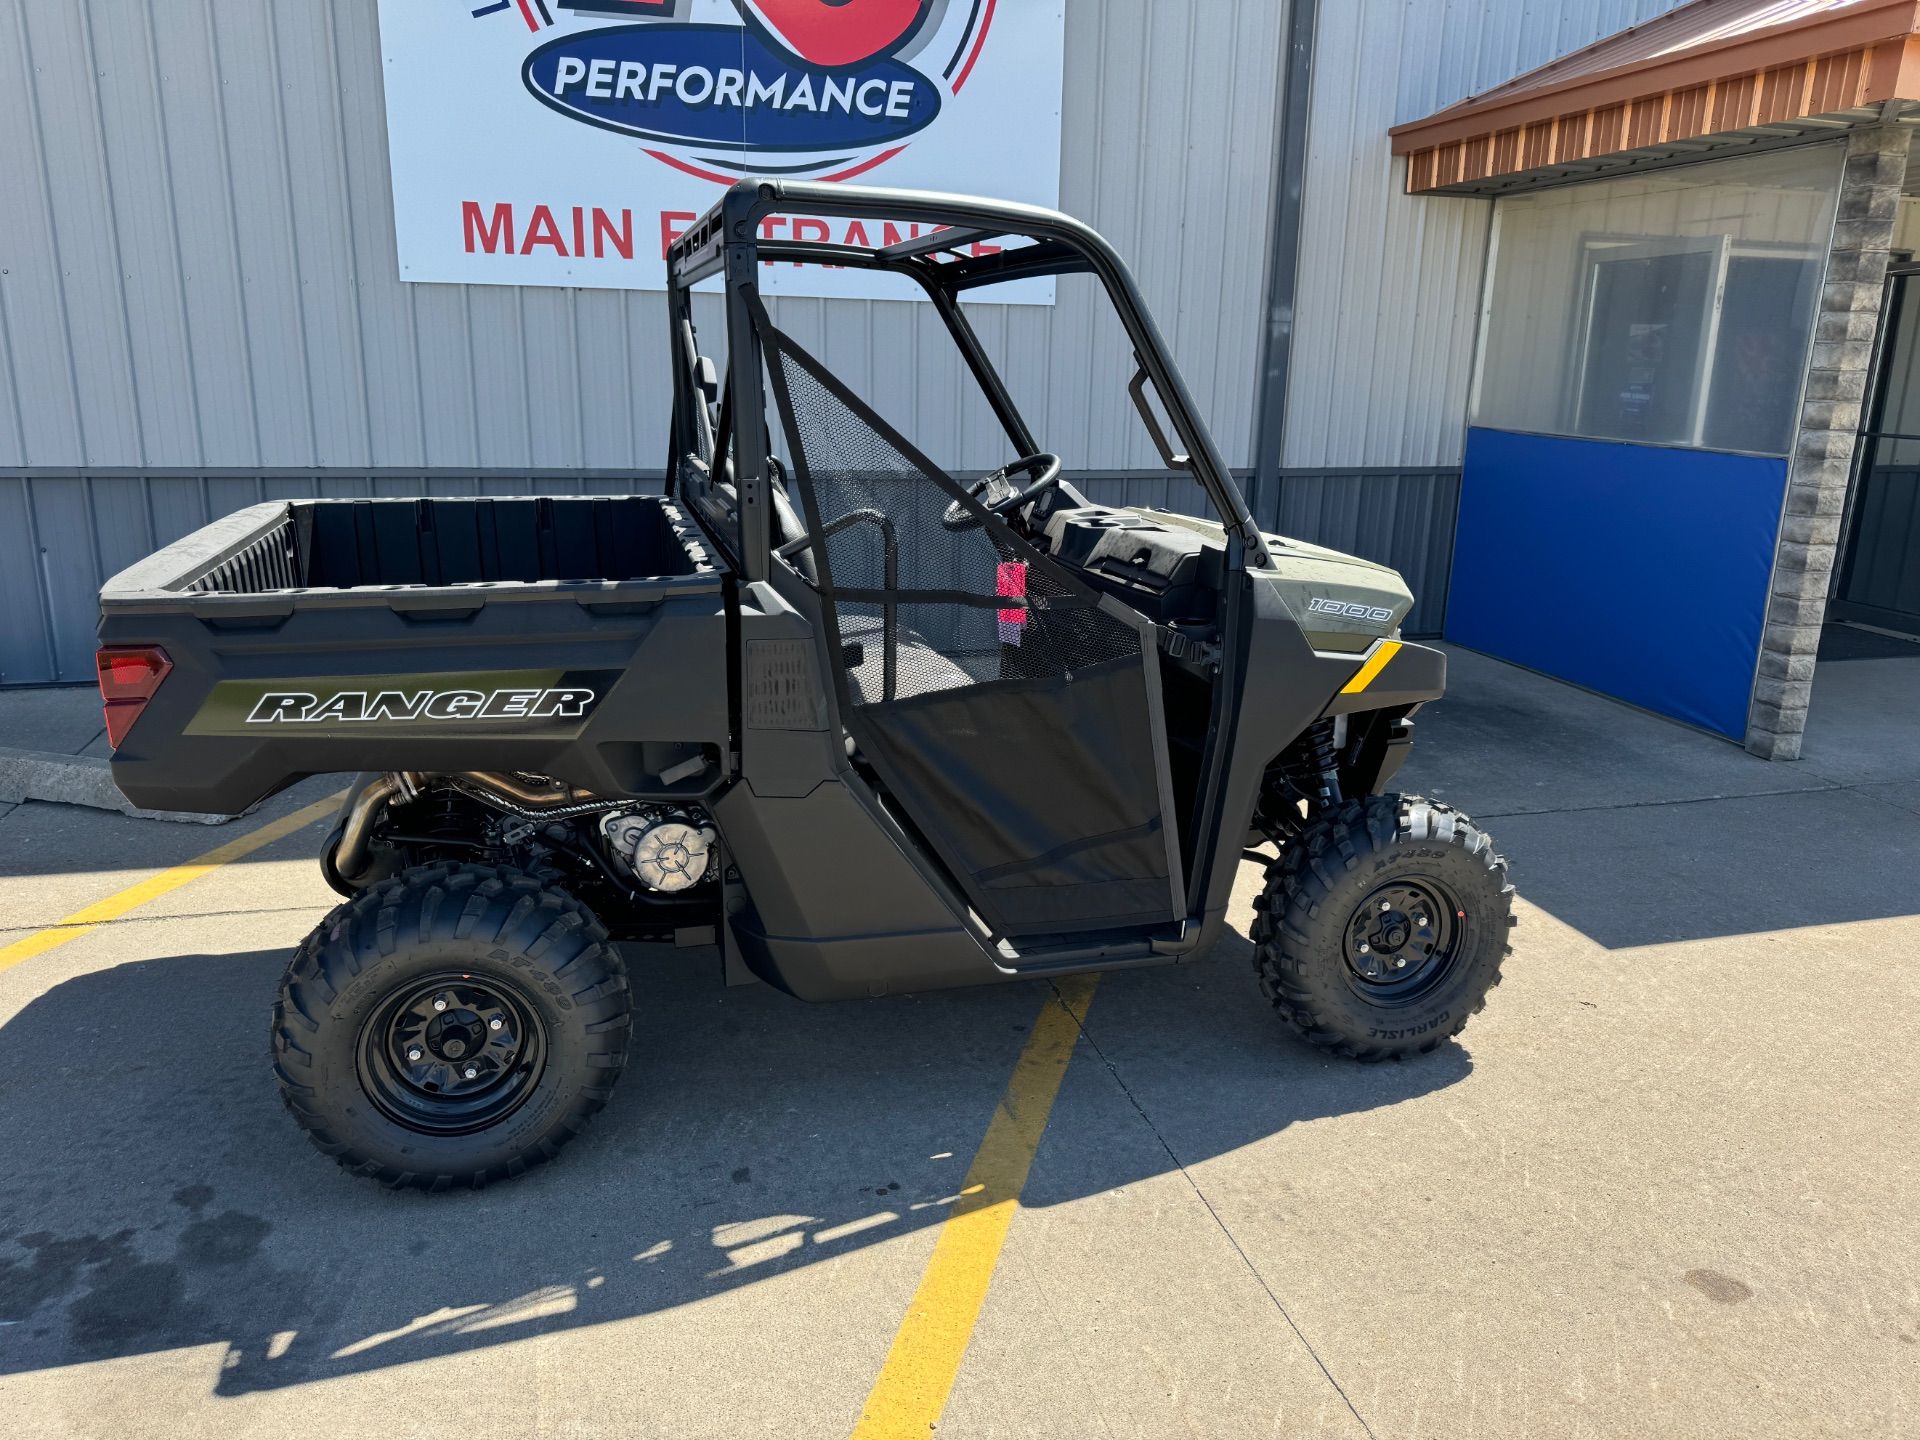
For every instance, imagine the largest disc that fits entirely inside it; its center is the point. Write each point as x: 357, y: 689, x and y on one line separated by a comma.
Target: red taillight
x: 128, y: 679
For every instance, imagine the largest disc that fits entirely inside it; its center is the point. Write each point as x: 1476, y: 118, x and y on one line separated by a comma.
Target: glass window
x: 1673, y: 307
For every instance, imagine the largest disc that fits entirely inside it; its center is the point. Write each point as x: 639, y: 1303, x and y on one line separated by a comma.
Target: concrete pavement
x: 55, y: 719
x: 1658, y: 1188
x: 53, y: 748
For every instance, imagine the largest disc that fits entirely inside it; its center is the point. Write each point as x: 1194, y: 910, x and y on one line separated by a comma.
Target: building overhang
x: 1712, y: 77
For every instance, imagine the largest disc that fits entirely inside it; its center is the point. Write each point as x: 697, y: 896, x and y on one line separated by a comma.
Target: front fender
x: 1391, y: 675
x: 1286, y: 686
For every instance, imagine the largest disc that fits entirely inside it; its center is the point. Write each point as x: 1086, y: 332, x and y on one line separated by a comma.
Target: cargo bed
x: 312, y: 636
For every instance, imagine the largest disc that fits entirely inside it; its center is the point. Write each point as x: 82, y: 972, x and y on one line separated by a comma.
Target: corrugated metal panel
x: 1390, y: 292
x: 1169, y: 118
x: 196, y: 235
x: 197, y: 275
x: 196, y: 230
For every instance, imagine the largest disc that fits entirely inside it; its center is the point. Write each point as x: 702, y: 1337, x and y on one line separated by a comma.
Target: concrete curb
x: 76, y: 780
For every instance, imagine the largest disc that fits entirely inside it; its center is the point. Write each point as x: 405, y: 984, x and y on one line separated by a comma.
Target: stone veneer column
x: 1822, y: 459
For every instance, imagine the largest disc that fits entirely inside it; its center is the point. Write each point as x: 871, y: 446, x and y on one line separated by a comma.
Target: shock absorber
x: 1311, y: 766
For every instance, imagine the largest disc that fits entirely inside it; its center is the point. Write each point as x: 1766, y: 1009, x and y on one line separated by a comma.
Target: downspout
x: 1283, y: 260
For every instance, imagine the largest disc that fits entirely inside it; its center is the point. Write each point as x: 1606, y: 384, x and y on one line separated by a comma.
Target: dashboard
x: 1168, y: 573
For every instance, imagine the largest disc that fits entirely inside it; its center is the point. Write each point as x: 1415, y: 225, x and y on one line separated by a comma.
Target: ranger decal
x: 298, y: 707
x: 550, y: 702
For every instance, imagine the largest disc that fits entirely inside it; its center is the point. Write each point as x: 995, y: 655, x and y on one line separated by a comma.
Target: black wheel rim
x: 451, y: 1053
x: 1403, y: 940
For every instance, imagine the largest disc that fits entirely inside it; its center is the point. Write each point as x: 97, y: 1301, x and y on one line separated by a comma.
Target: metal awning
x: 1712, y: 76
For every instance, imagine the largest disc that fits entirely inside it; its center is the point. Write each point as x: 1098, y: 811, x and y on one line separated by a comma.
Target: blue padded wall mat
x: 1635, y: 570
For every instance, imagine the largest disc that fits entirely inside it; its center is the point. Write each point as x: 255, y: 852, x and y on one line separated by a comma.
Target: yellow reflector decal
x: 1377, y: 659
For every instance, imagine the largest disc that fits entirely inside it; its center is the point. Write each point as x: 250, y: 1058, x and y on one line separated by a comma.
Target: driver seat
x: 929, y: 669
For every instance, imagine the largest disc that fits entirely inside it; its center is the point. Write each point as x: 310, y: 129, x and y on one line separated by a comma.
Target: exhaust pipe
x: 510, y: 792
x: 356, y: 826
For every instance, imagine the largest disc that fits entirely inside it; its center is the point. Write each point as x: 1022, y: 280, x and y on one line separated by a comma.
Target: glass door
x: 1880, y: 576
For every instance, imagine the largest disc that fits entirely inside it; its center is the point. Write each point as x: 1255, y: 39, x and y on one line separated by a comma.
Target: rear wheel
x: 1383, y: 926
x: 449, y: 1026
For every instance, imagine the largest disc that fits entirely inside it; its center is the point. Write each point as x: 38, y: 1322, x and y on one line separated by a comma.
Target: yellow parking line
x: 152, y: 888
x: 912, y: 1389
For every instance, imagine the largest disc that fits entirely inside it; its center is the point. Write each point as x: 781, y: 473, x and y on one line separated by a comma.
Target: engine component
x: 531, y: 795
x: 666, y: 850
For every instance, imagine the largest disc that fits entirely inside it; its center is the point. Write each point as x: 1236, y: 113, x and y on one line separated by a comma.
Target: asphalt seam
x: 1245, y: 1259
x: 1904, y: 809
x: 156, y: 919
x: 1659, y: 804
x: 1827, y: 789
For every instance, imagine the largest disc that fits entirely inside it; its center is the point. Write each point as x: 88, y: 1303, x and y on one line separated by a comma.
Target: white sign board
x: 566, y: 142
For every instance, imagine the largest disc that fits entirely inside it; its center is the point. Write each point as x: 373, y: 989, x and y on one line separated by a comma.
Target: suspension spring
x: 1311, y: 767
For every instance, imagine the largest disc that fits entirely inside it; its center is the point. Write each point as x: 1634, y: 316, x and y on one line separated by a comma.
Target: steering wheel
x: 997, y: 493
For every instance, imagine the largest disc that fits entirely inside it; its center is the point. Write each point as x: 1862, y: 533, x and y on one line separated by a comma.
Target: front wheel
x: 1383, y: 926
x: 449, y: 1026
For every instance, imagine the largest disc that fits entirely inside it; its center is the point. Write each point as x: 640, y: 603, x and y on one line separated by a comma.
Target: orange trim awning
x: 1739, y: 70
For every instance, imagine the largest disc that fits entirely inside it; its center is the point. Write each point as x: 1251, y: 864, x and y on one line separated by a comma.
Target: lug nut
x: 440, y: 1004
x: 413, y: 1054
x: 1399, y: 962
x: 470, y: 1072
x: 495, y: 1023
x: 1365, y: 949
x: 1385, y: 906
x: 1421, y: 921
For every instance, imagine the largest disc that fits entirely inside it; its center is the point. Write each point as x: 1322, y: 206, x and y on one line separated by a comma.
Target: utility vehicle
x: 866, y: 725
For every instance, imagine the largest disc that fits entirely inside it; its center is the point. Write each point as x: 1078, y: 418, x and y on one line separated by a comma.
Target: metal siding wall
x: 196, y: 240
x: 197, y: 275
x: 197, y: 234
x: 1390, y: 291
x: 1167, y: 145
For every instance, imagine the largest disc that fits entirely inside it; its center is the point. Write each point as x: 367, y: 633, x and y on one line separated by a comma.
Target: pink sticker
x: 1010, y: 580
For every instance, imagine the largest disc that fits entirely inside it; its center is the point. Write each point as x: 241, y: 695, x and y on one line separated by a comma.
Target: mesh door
x: 1004, y: 705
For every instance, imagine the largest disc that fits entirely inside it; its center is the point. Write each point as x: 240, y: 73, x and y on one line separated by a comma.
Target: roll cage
x: 729, y: 241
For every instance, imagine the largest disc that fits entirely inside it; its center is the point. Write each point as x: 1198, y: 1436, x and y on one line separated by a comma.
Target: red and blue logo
x: 823, y: 89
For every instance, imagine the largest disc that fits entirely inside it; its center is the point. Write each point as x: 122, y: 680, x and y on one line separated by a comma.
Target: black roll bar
x: 728, y: 236
x: 889, y: 581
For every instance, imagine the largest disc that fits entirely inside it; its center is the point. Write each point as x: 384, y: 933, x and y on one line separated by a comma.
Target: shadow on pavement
x: 155, y: 1196
x: 38, y: 839
x: 1655, y: 874
x: 1636, y: 830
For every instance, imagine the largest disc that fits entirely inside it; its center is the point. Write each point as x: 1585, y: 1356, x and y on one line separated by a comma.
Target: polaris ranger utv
x: 868, y: 726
